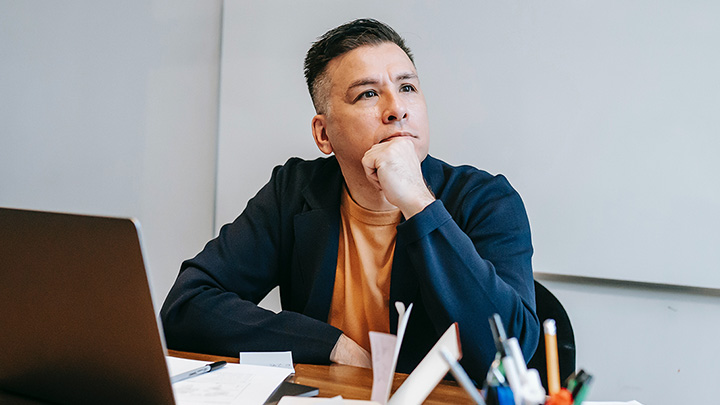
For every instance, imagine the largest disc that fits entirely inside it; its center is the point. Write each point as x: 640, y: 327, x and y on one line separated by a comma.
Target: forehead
x: 368, y: 61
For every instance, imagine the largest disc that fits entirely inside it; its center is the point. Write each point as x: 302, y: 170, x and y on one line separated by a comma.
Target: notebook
x: 77, y: 324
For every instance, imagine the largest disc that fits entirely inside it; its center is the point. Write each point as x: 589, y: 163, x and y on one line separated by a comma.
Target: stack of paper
x: 230, y: 385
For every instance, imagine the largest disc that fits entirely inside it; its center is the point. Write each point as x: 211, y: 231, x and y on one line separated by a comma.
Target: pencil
x: 551, y: 356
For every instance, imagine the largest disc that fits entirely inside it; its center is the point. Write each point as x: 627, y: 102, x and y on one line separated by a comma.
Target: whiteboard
x: 604, y: 115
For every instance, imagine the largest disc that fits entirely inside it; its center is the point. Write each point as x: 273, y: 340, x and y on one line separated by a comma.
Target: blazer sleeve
x: 212, y: 306
x: 473, y: 260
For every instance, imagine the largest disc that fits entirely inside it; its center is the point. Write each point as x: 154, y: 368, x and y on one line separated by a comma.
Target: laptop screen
x: 76, y: 314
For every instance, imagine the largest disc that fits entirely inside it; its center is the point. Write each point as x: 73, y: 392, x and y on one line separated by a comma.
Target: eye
x: 407, y: 88
x: 367, y: 94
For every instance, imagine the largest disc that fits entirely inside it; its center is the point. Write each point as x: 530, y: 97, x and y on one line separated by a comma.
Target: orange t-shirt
x: 361, y: 294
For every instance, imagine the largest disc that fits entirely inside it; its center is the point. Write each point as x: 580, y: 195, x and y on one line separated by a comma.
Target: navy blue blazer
x: 463, y: 258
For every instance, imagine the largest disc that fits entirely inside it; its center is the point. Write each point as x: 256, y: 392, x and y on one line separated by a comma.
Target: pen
x: 551, y: 356
x: 498, y: 332
x: 198, y: 371
x: 462, y: 377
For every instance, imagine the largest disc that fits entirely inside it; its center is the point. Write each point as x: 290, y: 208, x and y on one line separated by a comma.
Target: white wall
x: 110, y: 108
x: 603, y: 114
x: 641, y: 341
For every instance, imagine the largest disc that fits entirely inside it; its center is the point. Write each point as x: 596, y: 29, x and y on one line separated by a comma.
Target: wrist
x: 335, y: 353
x: 418, y: 204
x: 346, y: 351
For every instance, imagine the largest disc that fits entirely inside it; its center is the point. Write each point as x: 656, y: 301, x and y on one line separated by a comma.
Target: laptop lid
x: 77, y: 323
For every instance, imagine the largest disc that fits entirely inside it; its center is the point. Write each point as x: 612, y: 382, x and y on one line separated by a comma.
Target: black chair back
x: 548, y: 307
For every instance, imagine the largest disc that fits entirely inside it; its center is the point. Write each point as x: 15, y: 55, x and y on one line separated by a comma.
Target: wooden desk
x: 350, y: 382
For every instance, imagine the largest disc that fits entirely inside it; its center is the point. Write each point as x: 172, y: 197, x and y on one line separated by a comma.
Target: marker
x: 580, y: 392
x: 512, y: 376
x: 551, y: 356
x: 572, y: 381
x: 495, y: 377
x: 198, y: 371
x: 514, y: 351
x: 531, y: 389
x: 562, y: 397
x: 461, y: 376
x: 581, y: 381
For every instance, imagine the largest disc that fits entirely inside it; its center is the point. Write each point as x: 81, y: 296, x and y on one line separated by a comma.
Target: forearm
x: 457, y: 284
x: 200, y: 316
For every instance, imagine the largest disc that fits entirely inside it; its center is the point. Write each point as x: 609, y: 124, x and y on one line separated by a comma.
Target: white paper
x: 324, y: 401
x: 403, y: 317
x: 383, y: 347
x: 385, y: 351
x: 429, y: 372
x: 269, y: 359
x: 229, y: 385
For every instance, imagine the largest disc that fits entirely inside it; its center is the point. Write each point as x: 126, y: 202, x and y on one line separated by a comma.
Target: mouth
x: 398, y: 135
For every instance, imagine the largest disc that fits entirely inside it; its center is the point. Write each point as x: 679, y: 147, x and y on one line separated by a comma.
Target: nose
x: 394, y: 109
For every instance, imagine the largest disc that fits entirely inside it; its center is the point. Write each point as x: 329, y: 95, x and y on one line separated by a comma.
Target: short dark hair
x: 340, y: 40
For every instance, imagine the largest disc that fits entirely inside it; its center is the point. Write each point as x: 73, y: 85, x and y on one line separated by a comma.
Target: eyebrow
x: 406, y: 76
x: 367, y: 80
x: 361, y: 82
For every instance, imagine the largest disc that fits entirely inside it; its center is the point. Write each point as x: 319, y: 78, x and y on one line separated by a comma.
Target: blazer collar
x: 432, y: 170
x: 325, y: 186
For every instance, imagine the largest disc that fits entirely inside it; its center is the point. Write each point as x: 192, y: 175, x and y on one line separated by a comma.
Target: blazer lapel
x: 316, y: 239
x: 403, y: 283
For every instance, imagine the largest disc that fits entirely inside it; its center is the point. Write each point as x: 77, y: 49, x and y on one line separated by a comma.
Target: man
x: 347, y: 236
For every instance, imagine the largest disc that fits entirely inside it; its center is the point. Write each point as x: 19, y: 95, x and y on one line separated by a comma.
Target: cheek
x: 420, y: 109
x: 363, y: 119
x: 361, y: 128
x: 343, y: 137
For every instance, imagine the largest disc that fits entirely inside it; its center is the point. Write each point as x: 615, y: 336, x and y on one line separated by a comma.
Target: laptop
x: 77, y: 324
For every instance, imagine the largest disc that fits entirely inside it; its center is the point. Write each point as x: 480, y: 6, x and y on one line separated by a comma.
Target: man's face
x: 374, y: 97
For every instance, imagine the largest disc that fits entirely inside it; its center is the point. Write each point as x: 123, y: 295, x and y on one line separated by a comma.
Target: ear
x: 319, y: 130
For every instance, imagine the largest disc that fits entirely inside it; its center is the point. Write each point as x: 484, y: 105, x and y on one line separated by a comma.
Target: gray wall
x: 110, y: 108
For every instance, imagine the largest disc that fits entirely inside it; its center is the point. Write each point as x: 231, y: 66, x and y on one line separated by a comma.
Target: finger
x: 370, y: 167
